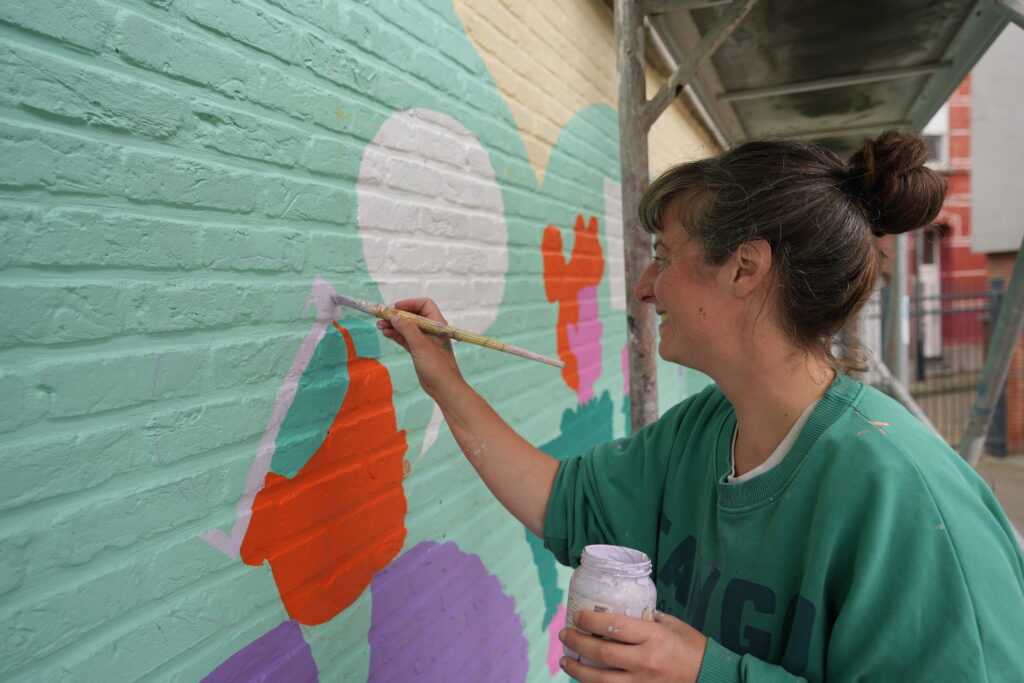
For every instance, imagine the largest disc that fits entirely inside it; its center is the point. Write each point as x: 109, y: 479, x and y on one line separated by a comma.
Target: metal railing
x: 948, y: 332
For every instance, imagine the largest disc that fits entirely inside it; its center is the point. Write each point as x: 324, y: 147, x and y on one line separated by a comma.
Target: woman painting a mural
x: 801, y: 525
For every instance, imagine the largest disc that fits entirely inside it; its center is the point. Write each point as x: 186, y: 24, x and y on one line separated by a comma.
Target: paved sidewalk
x: 1005, y: 476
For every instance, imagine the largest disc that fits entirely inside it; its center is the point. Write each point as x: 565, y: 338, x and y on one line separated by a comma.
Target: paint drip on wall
x: 439, y: 615
x: 341, y: 517
x: 572, y: 283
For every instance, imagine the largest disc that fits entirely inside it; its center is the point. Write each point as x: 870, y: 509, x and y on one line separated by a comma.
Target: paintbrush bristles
x: 441, y: 329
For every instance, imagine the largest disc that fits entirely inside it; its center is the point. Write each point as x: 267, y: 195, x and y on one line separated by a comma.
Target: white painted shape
x: 432, y: 221
x: 433, y: 427
x: 614, y: 256
x: 424, y: 193
x: 321, y: 295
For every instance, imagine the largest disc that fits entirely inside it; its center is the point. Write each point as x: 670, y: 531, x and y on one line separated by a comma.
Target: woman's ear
x: 751, y: 264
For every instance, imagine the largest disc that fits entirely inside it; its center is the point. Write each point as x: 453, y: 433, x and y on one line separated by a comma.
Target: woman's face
x: 691, y: 301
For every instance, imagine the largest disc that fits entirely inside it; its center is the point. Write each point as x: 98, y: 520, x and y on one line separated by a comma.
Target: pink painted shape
x: 322, y: 296
x: 585, y: 342
x: 554, y: 644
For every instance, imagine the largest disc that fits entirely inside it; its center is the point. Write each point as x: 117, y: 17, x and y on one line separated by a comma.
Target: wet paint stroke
x: 341, y: 517
x: 321, y: 295
x: 281, y: 654
x: 320, y: 393
x: 439, y: 615
x: 564, y: 280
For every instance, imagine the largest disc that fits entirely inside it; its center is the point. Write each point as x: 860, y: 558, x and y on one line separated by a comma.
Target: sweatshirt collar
x: 766, y: 487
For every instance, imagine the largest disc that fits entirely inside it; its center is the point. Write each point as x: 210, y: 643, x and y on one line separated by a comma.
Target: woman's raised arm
x: 519, y: 475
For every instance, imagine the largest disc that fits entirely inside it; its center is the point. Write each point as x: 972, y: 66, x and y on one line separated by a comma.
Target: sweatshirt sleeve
x: 604, y: 496
x: 721, y: 665
x: 614, y: 492
x: 936, y: 590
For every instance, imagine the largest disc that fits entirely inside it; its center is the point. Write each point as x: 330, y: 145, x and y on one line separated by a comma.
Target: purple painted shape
x: 439, y: 615
x: 281, y: 654
x: 585, y: 342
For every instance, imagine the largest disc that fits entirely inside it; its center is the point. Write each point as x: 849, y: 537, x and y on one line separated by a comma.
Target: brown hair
x: 819, y: 216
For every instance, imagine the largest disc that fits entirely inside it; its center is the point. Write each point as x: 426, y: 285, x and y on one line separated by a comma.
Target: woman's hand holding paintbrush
x: 519, y: 475
x: 432, y: 354
x: 440, y: 327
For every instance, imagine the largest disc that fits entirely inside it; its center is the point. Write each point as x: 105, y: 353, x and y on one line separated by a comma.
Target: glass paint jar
x: 611, y: 579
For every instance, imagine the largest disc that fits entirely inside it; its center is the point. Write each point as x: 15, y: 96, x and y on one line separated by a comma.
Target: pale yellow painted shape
x: 552, y: 58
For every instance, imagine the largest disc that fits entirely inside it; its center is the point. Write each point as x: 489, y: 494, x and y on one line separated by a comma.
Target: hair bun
x: 890, y: 179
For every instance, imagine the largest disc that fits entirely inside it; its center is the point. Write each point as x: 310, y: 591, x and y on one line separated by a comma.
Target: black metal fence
x: 948, y: 327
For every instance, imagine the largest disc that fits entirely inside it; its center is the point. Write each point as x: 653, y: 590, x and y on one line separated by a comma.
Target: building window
x: 935, y: 144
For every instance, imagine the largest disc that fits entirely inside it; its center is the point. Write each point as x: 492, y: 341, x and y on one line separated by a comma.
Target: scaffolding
x: 634, y: 19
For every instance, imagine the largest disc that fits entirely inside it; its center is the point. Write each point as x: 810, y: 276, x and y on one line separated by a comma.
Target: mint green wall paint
x: 176, y: 174
x: 320, y: 392
x: 317, y: 399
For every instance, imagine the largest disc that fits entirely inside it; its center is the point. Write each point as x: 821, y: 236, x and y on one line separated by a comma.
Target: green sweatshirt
x: 872, y: 552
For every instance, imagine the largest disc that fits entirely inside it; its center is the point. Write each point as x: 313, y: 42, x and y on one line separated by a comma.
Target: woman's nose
x: 644, y: 292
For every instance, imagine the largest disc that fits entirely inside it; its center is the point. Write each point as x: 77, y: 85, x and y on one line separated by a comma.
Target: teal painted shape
x: 365, y: 336
x: 318, y: 398
x: 585, y: 155
x: 588, y: 425
x: 321, y: 390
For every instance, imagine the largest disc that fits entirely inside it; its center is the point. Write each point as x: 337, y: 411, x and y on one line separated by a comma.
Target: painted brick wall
x: 210, y: 472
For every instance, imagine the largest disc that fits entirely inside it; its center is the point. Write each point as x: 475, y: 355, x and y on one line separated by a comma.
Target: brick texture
x: 182, y: 180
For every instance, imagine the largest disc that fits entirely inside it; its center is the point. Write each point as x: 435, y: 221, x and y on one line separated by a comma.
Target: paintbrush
x: 441, y: 329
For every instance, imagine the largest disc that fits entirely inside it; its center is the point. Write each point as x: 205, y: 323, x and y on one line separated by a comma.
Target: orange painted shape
x: 341, y: 519
x: 563, y: 280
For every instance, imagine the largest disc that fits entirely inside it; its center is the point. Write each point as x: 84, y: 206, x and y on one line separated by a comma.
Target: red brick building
x: 943, y: 260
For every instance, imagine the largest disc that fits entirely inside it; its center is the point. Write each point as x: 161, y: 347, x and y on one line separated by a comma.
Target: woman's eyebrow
x: 659, y: 244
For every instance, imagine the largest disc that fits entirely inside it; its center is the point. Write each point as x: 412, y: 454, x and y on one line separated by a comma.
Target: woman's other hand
x: 662, y: 650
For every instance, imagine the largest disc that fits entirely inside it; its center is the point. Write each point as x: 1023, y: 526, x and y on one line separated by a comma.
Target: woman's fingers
x: 403, y: 331
x: 391, y: 333
x: 614, y: 638
x: 432, y: 355
x: 591, y: 674
x: 615, y: 626
x: 422, y: 306
x: 677, y: 625
x: 662, y: 650
x: 606, y: 652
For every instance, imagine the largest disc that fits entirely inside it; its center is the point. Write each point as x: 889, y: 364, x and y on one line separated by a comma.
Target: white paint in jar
x: 611, y: 579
